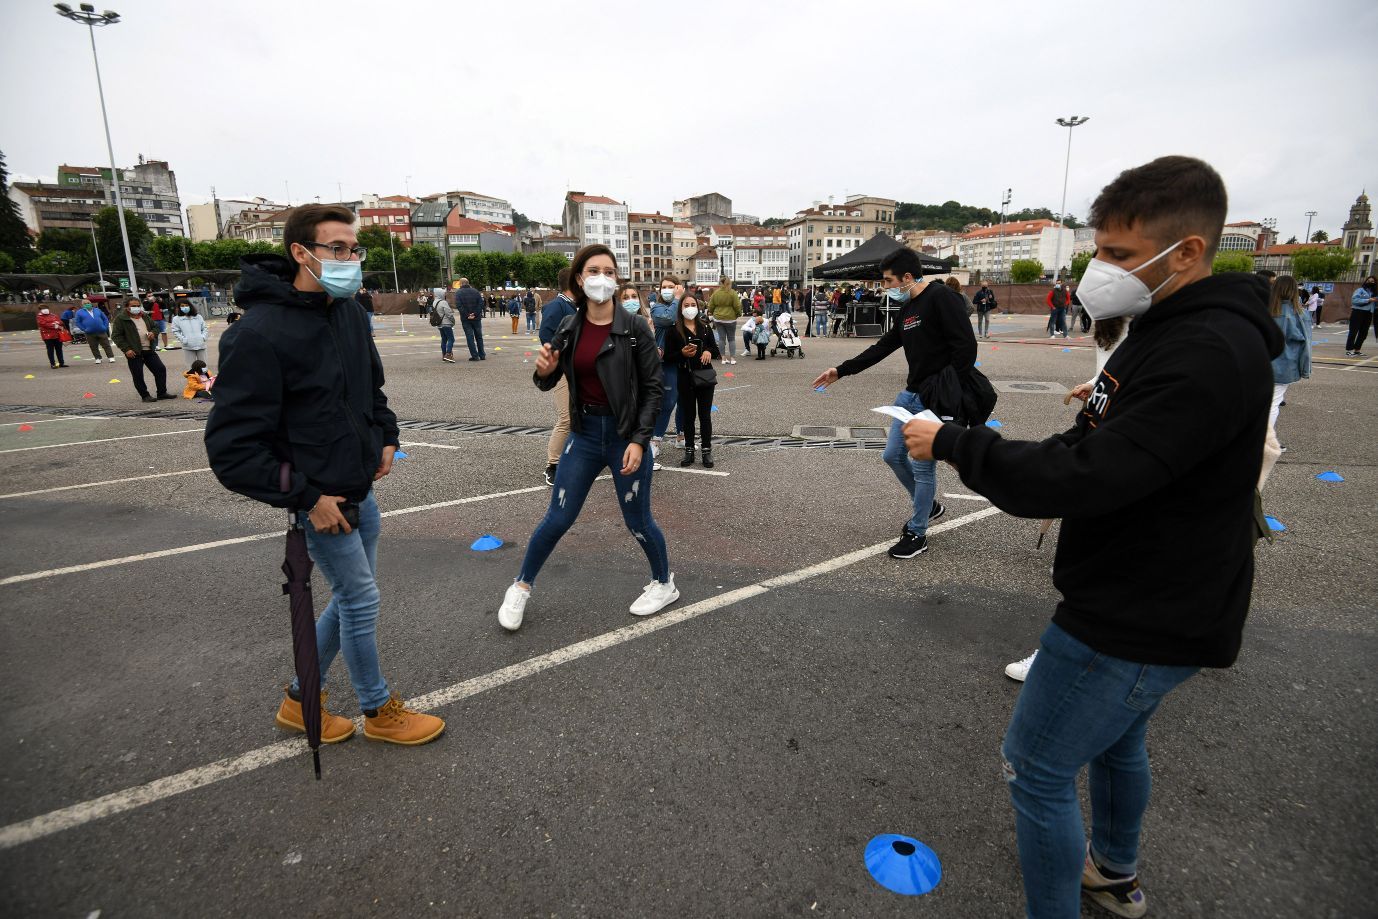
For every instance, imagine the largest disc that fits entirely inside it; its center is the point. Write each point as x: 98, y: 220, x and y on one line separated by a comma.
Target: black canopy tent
x: 863, y: 262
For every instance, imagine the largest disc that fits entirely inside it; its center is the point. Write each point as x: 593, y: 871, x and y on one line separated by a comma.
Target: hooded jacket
x: 1155, y: 484
x: 300, y: 381
x: 91, y: 321
x: 628, y: 366
x: 190, y: 331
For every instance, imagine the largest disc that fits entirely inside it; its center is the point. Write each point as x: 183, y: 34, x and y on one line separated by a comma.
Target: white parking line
x: 199, y: 777
x: 9, y: 424
x: 120, y: 480
x: 957, y: 497
x: 103, y: 440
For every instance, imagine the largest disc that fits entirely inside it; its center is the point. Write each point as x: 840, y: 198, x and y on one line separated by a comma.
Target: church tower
x: 1359, y: 224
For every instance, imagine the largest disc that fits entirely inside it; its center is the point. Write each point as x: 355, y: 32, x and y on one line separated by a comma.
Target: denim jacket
x: 1294, y: 363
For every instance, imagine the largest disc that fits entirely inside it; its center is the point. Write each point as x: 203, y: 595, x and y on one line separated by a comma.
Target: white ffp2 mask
x: 599, y: 288
x: 1107, y: 291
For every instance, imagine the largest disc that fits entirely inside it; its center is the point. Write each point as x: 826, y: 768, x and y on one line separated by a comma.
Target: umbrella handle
x: 284, y: 486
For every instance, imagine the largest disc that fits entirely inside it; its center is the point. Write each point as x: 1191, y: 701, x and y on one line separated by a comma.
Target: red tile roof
x: 1022, y: 228
x: 745, y: 229
x: 706, y: 252
x: 580, y: 198
x: 1244, y: 223
x: 463, y: 225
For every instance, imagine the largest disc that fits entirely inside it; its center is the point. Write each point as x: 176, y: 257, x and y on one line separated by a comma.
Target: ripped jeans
x: 1080, y: 708
x: 586, y: 454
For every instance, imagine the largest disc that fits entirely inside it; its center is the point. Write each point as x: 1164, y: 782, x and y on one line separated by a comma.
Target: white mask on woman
x: 689, y: 312
x: 599, y: 288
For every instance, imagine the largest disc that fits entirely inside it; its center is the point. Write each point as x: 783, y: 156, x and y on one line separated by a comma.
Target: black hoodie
x: 299, y: 380
x: 1155, y: 484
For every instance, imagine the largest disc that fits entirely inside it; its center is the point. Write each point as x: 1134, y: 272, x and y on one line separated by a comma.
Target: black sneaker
x: 149, y: 399
x: 1120, y: 896
x: 936, y: 511
x: 550, y: 474
x: 909, y: 545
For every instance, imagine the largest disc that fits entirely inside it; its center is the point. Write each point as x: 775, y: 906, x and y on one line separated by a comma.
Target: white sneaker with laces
x: 1019, y: 670
x: 655, y: 597
x: 513, y: 607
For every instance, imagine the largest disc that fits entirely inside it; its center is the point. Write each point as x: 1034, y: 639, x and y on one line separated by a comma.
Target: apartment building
x: 652, y: 248
x: 148, y: 189
x: 821, y: 233
x: 990, y: 250
x: 597, y: 219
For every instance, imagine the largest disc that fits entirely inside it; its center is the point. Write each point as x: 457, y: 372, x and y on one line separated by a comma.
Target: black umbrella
x: 297, y: 566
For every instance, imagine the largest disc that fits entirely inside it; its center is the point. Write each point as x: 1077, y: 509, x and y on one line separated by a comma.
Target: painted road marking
x: 136, y: 478
x: 119, y: 802
x: 8, y: 424
x: 104, y: 440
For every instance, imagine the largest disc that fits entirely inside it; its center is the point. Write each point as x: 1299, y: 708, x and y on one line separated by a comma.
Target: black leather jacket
x: 628, y: 367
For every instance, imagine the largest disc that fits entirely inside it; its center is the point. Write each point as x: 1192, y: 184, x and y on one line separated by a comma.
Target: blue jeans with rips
x: 1080, y: 708
x: 587, y: 453
x: 349, y: 624
x: 919, y: 477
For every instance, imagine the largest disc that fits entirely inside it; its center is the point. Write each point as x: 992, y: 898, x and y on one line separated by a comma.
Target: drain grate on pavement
x: 1028, y: 386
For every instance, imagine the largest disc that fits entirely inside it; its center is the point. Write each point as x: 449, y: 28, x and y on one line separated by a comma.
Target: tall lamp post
x: 1309, y: 215
x: 96, y: 247
x: 90, y: 18
x: 1004, y: 206
x: 1067, y: 123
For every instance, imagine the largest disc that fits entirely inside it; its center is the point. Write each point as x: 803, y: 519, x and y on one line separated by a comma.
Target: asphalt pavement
x: 729, y: 757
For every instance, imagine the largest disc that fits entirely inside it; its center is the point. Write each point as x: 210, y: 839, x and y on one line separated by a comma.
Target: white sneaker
x: 655, y: 597
x: 513, y: 606
x: 1019, y: 670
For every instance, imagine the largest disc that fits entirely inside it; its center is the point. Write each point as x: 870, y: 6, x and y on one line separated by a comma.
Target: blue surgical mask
x: 667, y: 294
x: 184, y: 310
x: 632, y: 306
x: 898, y: 294
x: 340, y: 279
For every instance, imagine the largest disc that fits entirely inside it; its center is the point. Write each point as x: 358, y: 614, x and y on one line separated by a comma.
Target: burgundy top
x: 591, y: 340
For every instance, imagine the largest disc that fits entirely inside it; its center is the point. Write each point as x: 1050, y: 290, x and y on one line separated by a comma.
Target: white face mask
x: 599, y: 288
x: 1108, y: 291
x: 689, y: 312
x: 667, y: 294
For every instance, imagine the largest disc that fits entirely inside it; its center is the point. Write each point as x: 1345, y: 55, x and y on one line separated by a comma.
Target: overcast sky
x: 774, y: 103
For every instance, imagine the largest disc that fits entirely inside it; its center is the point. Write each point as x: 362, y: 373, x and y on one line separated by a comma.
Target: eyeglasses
x: 340, y: 252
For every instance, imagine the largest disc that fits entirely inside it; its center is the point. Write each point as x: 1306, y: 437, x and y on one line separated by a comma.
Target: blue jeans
x: 820, y: 322
x: 586, y: 454
x: 1079, y: 707
x: 447, y: 339
x: 919, y: 477
x: 473, y: 336
x: 670, y: 377
x: 531, y: 322
x: 349, y: 563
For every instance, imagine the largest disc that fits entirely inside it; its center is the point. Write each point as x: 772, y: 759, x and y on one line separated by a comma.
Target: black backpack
x: 435, y: 316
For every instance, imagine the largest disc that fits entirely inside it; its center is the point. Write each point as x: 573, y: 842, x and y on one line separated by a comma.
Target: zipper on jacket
x: 344, y: 378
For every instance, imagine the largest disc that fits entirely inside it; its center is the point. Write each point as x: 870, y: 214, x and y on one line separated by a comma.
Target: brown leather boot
x: 394, y: 723
x: 333, y: 728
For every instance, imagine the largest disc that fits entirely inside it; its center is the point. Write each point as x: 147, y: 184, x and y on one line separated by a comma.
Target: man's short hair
x: 562, y: 279
x: 1168, y: 199
x: 1266, y: 273
x: 302, y: 222
x: 463, y: 282
x: 671, y: 278
x: 903, y: 261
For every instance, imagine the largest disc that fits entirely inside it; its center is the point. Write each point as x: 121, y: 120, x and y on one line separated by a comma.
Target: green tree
x: 6, y: 263
x: 1079, y: 263
x: 418, y: 266
x: 543, y: 269
x: 375, y: 240
x: 1232, y: 261
x: 75, y: 243
x: 112, y: 247
x: 773, y: 222
x: 1292, y: 241
x: 14, y: 236
x: 1320, y: 236
x: 1318, y: 263
x: 520, y: 220
x: 54, y: 263
x: 499, y: 268
x: 168, y: 252
x: 1025, y: 270
x: 472, y: 266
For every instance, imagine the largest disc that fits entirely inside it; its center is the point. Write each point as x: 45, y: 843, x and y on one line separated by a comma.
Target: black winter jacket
x: 934, y: 331
x: 628, y: 367
x: 1155, y: 484
x: 301, y: 381
x: 467, y: 301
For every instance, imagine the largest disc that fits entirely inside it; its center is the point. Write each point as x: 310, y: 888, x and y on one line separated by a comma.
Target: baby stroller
x: 786, y: 337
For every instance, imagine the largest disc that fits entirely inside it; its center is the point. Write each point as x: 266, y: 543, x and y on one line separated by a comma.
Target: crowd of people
x: 1154, y: 563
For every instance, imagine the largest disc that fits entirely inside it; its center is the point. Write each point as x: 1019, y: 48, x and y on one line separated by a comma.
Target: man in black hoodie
x: 301, y: 382
x: 1155, y: 488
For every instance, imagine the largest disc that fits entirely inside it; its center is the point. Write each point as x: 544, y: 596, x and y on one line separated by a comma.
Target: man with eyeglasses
x: 301, y: 382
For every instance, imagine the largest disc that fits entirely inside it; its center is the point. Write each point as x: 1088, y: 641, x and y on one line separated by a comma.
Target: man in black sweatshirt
x: 933, y: 328
x: 1155, y: 488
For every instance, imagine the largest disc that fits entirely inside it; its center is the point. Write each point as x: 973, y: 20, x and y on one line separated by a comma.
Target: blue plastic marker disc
x: 994, y: 423
x: 1276, y: 525
x: 1330, y: 477
x: 903, y: 864
x: 399, y: 455
x: 486, y: 543
x: 820, y: 389
x: 715, y: 408
x: 1066, y: 350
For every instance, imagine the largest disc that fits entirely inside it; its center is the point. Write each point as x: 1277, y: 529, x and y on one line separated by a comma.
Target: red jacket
x: 49, y: 326
x: 1066, y: 299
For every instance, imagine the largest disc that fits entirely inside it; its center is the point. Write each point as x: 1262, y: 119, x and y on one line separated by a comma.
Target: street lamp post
x: 96, y: 246
x: 88, y: 16
x: 1004, y: 264
x: 1067, y: 123
x: 1309, y: 215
